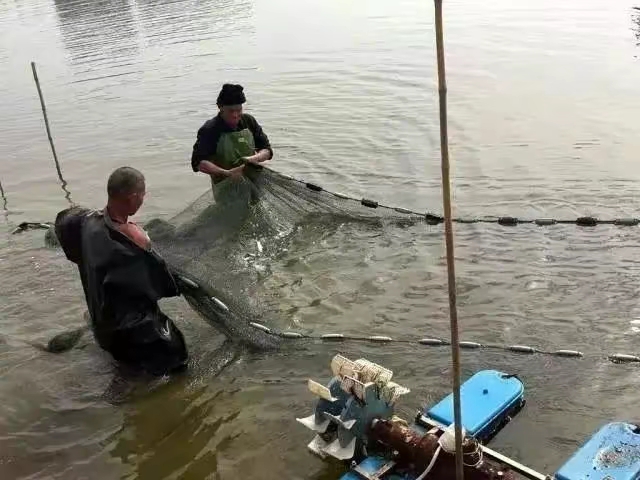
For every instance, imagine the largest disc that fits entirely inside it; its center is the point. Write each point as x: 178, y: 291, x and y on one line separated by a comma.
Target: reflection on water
x: 63, y: 184
x: 190, y: 410
x: 164, y: 23
x: 106, y: 38
x: 152, y: 452
x: 99, y: 35
x: 635, y: 19
x: 5, y: 209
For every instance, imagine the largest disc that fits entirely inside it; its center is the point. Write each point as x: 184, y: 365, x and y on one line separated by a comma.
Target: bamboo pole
x: 46, y: 123
x: 446, y: 200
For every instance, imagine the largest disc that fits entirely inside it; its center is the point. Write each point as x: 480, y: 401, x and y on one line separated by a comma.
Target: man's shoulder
x: 104, y: 243
x: 75, y: 213
x: 70, y: 227
x: 249, y: 119
x: 210, y: 125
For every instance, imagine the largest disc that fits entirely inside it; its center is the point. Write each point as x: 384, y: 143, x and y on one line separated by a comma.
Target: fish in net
x: 221, y: 245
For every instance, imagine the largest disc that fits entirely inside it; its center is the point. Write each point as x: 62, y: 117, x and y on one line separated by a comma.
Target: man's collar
x: 224, y: 126
x: 108, y: 220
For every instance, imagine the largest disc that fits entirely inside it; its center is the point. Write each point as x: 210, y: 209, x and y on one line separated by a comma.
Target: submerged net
x: 226, y: 240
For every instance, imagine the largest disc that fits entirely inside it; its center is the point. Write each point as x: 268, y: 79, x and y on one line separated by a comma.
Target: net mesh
x: 227, y: 238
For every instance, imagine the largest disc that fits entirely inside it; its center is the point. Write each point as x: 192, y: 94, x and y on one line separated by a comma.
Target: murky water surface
x: 544, y: 99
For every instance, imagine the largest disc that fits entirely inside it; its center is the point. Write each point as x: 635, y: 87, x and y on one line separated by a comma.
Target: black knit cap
x: 231, y: 94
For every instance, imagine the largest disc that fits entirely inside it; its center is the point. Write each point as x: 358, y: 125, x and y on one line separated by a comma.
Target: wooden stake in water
x: 46, y: 123
x: 446, y: 200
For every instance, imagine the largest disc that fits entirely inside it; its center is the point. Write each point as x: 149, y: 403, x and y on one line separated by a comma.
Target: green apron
x: 232, y: 146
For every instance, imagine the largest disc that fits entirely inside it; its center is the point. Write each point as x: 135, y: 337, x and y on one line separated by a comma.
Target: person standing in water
x: 229, y: 140
x: 123, y: 278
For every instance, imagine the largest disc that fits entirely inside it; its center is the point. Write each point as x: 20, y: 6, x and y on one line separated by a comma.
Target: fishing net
x: 226, y: 240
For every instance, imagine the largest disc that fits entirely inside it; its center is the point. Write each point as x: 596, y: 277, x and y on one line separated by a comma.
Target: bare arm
x: 264, y: 151
x: 211, y: 168
x: 260, y: 156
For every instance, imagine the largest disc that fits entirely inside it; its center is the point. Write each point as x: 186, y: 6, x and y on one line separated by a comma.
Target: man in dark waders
x: 123, y: 279
x: 229, y: 141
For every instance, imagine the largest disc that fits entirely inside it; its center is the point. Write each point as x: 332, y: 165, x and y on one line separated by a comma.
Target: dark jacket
x: 208, y: 135
x: 122, y: 284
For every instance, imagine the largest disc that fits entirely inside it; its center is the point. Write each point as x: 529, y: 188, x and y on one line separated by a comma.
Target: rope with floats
x: 429, y: 218
x: 507, y: 221
x: 66, y: 340
x: 617, y: 358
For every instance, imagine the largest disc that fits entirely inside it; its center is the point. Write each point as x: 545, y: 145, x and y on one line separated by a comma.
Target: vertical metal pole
x: 446, y: 200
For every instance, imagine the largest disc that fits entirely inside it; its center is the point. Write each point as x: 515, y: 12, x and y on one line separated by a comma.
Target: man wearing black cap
x: 230, y: 139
